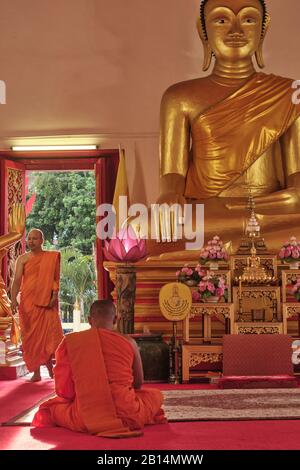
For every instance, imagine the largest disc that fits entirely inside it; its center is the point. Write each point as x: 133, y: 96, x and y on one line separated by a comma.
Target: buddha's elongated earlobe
x: 259, y: 56
x: 259, y: 53
x: 207, y: 56
x: 208, y: 53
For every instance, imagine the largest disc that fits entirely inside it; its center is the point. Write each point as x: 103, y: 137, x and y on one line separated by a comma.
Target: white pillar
x: 76, y: 317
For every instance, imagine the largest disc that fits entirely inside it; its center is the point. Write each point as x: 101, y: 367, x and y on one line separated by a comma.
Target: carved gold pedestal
x: 291, y: 311
x: 257, y: 328
x: 151, y: 276
x: 194, y: 354
x: 12, y: 365
x: 206, y: 311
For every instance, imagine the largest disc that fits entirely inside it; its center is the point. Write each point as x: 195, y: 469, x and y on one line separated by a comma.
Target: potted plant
x: 290, y: 253
x: 211, y: 288
x: 213, y: 253
x: 190, y: 276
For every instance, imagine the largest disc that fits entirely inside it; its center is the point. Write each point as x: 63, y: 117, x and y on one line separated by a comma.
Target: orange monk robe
x: 94, y: 386
x: 41, y: 328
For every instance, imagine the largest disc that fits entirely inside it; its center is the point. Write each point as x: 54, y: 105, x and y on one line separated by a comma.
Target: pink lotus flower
x: 126, y: 247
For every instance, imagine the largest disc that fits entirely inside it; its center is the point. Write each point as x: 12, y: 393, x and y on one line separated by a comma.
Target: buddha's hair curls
x: 202, y: 16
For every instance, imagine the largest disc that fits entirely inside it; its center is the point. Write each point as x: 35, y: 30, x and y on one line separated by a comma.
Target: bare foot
x: 49, y: 366
x: 36, y: 377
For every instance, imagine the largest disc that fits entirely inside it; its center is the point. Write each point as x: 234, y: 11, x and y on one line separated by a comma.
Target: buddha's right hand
x: 168, y: 216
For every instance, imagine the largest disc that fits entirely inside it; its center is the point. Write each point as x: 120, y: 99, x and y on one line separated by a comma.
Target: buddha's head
x: 233, y: 30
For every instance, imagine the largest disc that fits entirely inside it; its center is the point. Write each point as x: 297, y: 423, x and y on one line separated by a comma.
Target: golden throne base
x: 13, y: 365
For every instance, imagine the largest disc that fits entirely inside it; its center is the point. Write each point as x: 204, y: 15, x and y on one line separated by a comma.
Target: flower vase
x: 212, y: 299
x: 294, y: 265
x: 191, y: 283
x: 213, y: 265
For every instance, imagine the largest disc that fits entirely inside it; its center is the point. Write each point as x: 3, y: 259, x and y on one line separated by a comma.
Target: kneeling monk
x: 98, y: 378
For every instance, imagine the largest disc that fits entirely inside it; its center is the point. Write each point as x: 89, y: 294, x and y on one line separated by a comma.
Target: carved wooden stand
x: 125, y: 290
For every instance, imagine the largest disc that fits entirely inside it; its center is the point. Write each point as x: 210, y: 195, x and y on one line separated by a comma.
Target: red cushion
x: 257, y: 355
x: 258, y: 381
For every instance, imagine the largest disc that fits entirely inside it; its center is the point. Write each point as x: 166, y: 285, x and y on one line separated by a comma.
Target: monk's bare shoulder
x: 22, y: 260
x: 130, y: 339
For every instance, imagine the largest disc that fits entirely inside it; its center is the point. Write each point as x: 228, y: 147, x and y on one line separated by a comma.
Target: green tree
x: 78, y: 280
x: 65, y: 208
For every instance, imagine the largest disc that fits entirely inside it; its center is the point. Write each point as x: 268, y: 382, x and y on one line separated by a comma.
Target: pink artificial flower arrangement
x: 190, y: 274
x: 214, y: 251
x: 296, y: 290
x: 211, y: 285
x: 290, y: 252
x: 126, y: 247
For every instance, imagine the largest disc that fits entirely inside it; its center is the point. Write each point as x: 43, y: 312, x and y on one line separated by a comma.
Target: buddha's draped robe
x: 94, y: 387
x: 242, y: 142
x: 41, y: 329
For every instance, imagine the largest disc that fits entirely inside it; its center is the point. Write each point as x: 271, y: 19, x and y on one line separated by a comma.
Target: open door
x: 12, y: 191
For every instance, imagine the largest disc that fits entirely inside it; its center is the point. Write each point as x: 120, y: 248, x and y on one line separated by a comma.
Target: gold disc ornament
x: 175, y: 301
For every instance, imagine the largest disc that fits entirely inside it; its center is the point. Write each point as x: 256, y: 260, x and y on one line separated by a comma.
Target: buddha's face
x: 234, y: 27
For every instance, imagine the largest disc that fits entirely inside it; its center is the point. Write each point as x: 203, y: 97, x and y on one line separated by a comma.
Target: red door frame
x: 59, y: 161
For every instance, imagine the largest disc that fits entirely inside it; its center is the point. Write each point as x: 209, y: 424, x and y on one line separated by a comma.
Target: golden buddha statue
x: 231, y: 132
x: 16, y: 227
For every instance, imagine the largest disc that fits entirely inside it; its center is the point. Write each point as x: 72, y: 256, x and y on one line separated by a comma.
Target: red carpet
x: 262, y: 435
x: 15, y: 396
x: 19, y: 395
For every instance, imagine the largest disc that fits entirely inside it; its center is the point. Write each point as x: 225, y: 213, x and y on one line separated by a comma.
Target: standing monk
x: 98, y: 378
x: 37, y: 274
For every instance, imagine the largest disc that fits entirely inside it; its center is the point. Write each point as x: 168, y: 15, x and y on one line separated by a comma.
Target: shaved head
x: 35, y: 240
x: 102, y: 314
x: 36, y: 232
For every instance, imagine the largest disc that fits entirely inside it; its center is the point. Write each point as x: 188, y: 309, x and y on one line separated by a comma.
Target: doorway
x: 63, y: 205
x: 15, y: 170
